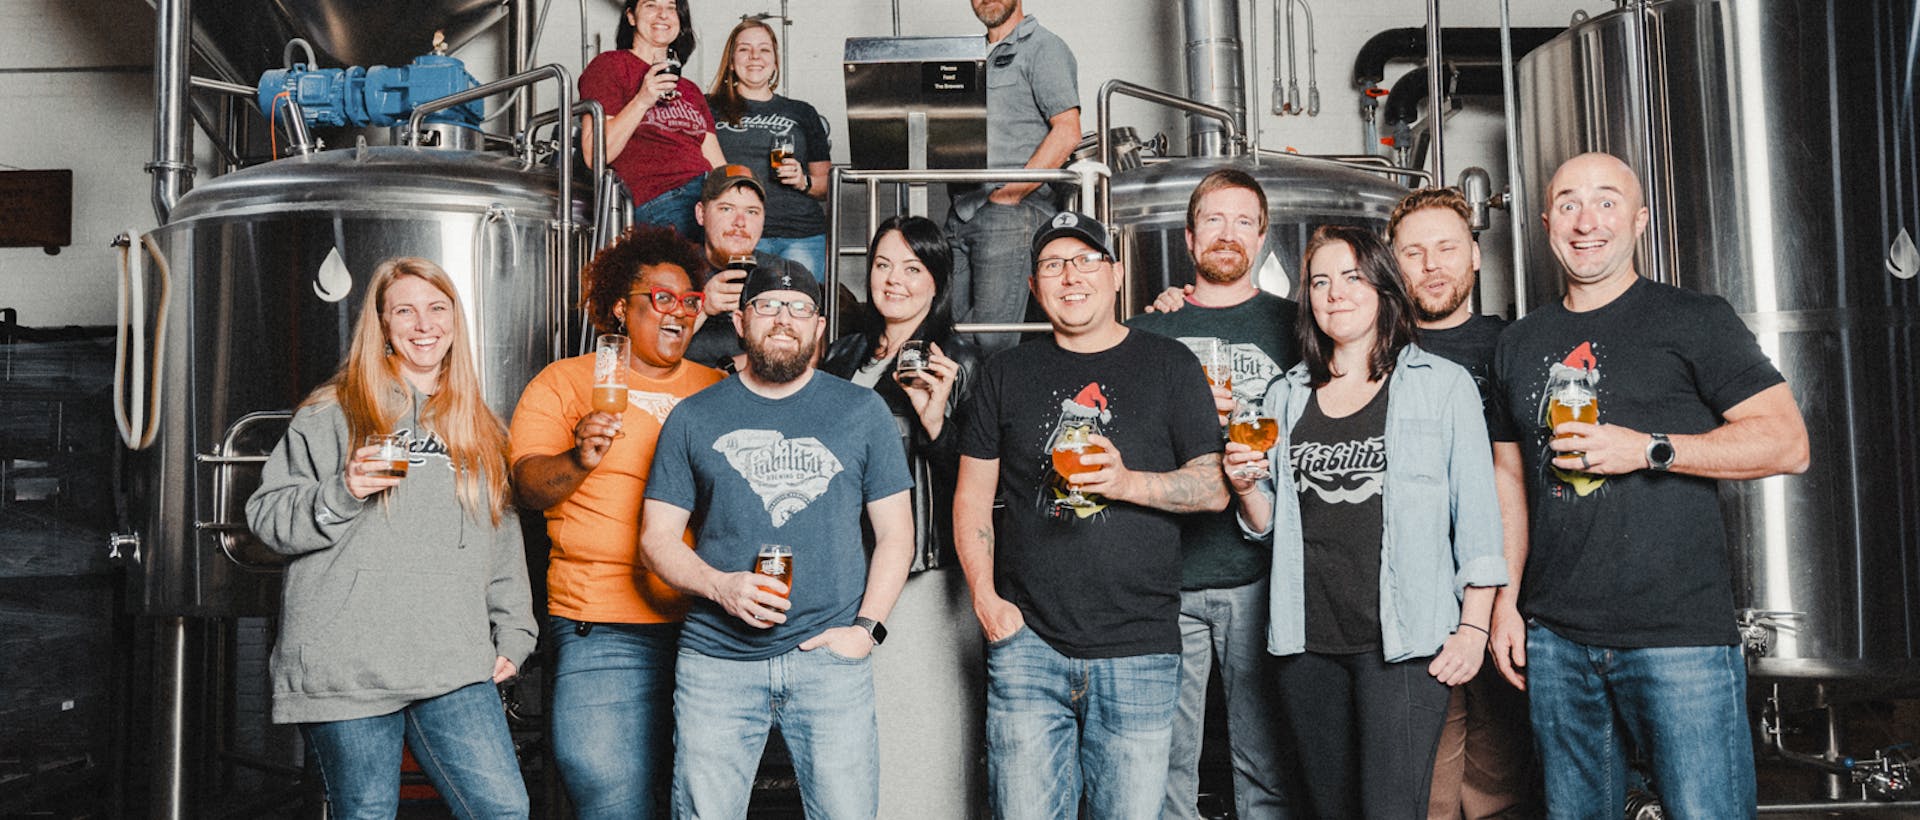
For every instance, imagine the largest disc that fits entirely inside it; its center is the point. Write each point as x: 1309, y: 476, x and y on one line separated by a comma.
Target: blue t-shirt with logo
x: 797, y: 471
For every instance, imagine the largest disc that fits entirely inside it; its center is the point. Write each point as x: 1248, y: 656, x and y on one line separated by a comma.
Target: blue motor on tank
x: 377, y: 96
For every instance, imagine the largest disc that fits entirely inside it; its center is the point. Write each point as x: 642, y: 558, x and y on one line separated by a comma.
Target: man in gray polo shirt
x: 1033, y: 121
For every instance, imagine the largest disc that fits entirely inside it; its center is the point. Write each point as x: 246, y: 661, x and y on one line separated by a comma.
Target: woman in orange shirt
x: 614, y: 627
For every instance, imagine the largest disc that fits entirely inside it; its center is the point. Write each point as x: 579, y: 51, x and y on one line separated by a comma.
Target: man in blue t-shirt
x: 1091, y: 439
x: 779, y: 455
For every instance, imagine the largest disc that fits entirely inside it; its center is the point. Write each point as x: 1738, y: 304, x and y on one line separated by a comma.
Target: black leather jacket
x: 934, y: 461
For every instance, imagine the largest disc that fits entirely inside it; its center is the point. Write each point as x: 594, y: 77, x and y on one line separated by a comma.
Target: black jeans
x: 1364, y: 732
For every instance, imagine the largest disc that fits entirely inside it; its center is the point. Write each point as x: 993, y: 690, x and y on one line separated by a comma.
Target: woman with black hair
x: 660, y: 137
x: 908, y: 307
x: 1385, y: 534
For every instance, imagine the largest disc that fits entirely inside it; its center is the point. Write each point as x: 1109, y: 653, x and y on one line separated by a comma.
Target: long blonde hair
x: 374, y: 396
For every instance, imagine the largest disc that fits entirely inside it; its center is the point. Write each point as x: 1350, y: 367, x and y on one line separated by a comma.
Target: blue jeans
x: 1229, y: 624
x: 809, y: 251
x: 613, y: 716
x: 1684, y: 708
x: 1057, y: 726
x: 823, y: 704
x: 992, y: 259
x: 673, y: 208
x: 460, y: 740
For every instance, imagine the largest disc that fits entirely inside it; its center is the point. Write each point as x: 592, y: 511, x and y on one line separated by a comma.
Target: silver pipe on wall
x: 520, y: 30
x: 1213, y: 72
x: 1435, y: 103
x: 172, y: 165
x: 1516, y: 221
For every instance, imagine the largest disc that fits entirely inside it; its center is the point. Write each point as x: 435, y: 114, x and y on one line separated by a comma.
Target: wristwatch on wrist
x: 875, y: 629
x: 1660, y: 453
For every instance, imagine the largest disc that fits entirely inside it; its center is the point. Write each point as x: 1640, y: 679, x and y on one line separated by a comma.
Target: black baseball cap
x: 781, y: 274
x: 1077, y: 225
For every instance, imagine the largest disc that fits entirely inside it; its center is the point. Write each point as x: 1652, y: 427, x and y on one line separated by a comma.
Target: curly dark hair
x: 610, y: 276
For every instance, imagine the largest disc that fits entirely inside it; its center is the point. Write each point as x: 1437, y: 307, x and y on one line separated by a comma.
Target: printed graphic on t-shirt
x: 657, y: 405
x: 1343, y: 472
x: 1080, y: 416
x: 678, y: 115
x: 787, y: 473
x: 1253, y: 369
x: 773, y: 123
x: 420, y: 447
x: 1571, y: 394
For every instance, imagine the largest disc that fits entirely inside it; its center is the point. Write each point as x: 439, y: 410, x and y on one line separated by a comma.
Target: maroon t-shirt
x: 664, y: 151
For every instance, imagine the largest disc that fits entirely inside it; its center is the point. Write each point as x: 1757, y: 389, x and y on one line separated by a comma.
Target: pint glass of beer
x: 671, y: 66
x: 776, y: 561
x: 1070, y: 444
x: 911, y: 361
x: 391, y: 461
x: 779, y: 153
x: 1572, y: 401
x: 1217, y: 360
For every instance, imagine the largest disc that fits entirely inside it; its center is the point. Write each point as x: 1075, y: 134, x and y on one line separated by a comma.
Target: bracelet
x: 1482, y: 629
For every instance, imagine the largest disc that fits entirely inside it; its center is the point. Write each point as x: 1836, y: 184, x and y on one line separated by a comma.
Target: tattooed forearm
x: 1197, y: 486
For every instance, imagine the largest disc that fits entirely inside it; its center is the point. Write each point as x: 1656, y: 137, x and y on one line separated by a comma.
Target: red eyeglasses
x: 666, y: 301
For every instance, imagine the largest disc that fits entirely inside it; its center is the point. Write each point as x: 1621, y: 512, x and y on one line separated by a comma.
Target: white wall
x: 70, y: 101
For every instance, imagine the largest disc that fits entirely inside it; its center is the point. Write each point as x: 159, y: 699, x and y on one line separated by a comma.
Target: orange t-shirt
x: 595, y: 572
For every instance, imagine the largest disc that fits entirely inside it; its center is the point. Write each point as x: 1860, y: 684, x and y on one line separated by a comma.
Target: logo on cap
x: 1066, y: 219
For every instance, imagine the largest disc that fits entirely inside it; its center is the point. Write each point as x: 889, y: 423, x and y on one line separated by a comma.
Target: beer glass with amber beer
x: 1070, y: 444
x: 610, y: 375
x: 1256, y: 430
x: 391, y: 461
x: 776, y: 561
x: 779, y: 152
x: 1572, y: 400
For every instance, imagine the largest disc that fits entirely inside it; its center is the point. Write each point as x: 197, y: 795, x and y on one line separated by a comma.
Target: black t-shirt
x: 1099, y: 583
x: 1259, y: 331
x: 1471, y: 345
x: 749, y: 142
x: 1634, y: 560
x: 1339, y: 466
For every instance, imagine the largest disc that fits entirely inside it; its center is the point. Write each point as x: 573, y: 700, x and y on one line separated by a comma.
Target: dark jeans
x: 1364, y: 732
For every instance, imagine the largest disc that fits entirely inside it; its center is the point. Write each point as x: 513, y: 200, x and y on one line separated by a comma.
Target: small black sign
x: 949, y: 78
x: 36, y: 209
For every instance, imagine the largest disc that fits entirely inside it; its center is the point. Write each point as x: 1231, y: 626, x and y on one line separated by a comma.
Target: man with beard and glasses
x: 779, y: 455
x: 1091, y: 440
x: 1033, y: 121
x: 1223, y: 577
x: 1484, y: 765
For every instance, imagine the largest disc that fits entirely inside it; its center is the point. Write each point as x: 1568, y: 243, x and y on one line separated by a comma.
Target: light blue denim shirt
x: 1439, y: 484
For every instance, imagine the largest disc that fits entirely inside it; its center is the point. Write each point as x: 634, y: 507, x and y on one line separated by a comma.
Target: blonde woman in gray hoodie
x: 407, y: 598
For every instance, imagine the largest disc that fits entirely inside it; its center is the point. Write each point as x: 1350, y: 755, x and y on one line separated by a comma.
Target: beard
x: 779, y: 366
x: 1430, y: 310
x: 992, y: 19
x: 1222, y: 274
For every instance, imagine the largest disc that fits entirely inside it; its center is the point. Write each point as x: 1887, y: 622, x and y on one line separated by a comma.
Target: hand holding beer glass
x: 775, y: 561
x: 777, y: 156
x: 1257, y: 431
x: 1217, y: 360
x: 1572, y: 400
x: 379, y: 464
x: 610, y: 376
x: 1070, y: 445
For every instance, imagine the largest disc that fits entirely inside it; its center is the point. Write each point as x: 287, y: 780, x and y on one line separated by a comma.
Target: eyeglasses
x: 665, y: 300
x: 795, y: 308
x: 1052, y: 266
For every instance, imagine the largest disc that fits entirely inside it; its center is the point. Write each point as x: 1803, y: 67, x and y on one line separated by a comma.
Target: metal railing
x: 1083, y: 178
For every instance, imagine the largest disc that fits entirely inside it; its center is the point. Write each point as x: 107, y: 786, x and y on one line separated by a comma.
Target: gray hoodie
x: 387, y: 600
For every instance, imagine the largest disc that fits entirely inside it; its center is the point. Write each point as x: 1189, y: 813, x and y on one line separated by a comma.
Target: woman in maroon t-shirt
x: 659, y: 129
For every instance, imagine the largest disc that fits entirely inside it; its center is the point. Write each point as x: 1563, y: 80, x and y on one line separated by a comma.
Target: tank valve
x: 127, y: 540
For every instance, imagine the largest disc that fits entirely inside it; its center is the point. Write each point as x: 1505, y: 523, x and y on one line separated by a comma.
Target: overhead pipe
x: 1213, y: 73
x: 1516, y: 221
x: 520, y: 32
x: 1436, y: 105
x: 1466, y: 46
x: 172, y: 165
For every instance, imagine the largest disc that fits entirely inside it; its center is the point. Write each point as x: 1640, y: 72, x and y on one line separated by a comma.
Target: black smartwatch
x: 875, y: 629
x: 1660, y: 453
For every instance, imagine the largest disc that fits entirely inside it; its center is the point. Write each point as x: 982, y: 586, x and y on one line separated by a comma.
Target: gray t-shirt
x: 797, y: 471
x: 790, y: 213
x: 1031, y: 77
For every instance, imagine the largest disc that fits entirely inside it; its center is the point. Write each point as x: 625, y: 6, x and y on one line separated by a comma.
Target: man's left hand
x: 1605, y: 449
x: 845, y: 641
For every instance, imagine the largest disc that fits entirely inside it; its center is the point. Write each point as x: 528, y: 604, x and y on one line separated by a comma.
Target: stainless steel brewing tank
x: 1150, y: 211
x: 259, y: 317
x: 1780, y: 159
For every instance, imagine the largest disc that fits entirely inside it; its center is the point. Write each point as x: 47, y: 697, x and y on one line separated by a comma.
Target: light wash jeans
x: 809, y: 251
x: 992, y: 259
x: 613, y: 716
x: 1229, y: 624
x: 1060, y: 726
x: 823, y: 704
x: 1683, y: 707
x: 460, y: 740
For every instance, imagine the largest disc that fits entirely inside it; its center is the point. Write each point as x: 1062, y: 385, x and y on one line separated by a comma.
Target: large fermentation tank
x: 1777, y: 142
x: 1150, y: 211
x: 269, y: 266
